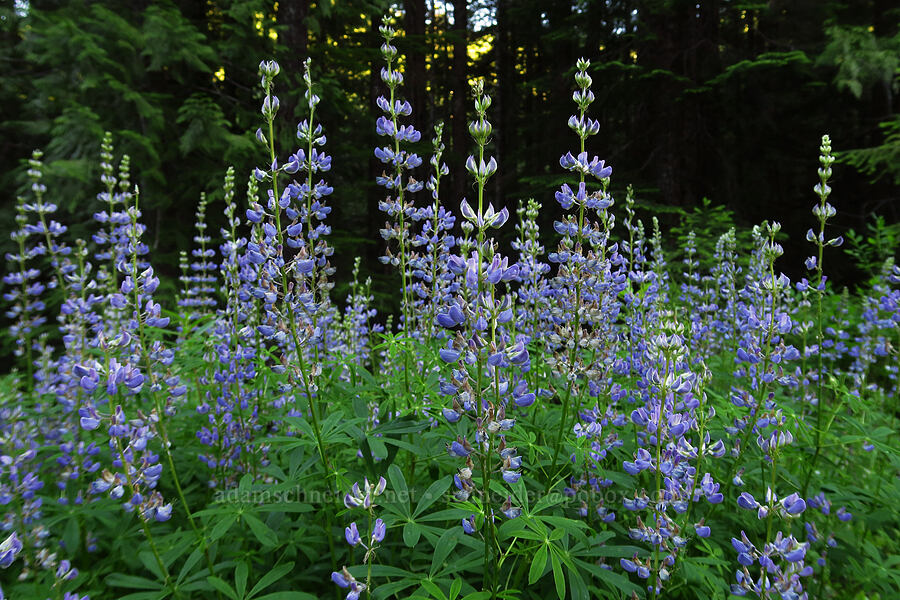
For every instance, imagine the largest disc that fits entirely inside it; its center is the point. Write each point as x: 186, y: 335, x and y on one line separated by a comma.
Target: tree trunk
x: 415, y: 46
x: 292, y: 15
x: 504, y: 109
x: 459, y: 90
x: 664, y: 51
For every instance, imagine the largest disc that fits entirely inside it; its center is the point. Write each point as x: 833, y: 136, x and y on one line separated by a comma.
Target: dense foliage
x: 718, y: 99
x: 601, y: 418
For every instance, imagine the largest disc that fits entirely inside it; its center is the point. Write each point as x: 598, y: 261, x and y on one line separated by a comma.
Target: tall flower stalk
x: 533, y: 291
x: 486, y: 361
x: 24, y: 295
x: 397, y: 179
x: 289, y: 304
x: 112, y: 237
x: 822, y: 211
x: 134, y: 362
x: 571, y: 255
x: 434, y: 285
x: 199, y: 279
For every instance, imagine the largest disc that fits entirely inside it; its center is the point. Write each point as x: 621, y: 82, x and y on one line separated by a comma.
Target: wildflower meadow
x: 598, y: 411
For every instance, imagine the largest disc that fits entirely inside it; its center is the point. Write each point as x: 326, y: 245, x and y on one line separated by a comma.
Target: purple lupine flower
x: 666, y: 424
x: 378, y: 531
x: 137, y: 466
x: 630, y: 564
x: 345, y: 580
x: 482, y: 307
x: 468, y: 525
x: 363, y: 496
x: 586, y: 285
x: 199, y: 277
x: 400, y: 163
x: 511, y: 476
x: 340, y: 579
x: 510, y: 510
x: 451, y: 415
x: 431, y: 284
x: 458, y: 449
x: 745, y: 500
x: 793, y: 504
x: 351, y: 534
x: 533, y: 289
x: 9, y: 549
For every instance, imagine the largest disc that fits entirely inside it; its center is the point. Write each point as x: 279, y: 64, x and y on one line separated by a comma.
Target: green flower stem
x: 663, y: 393
x: 292, y: 317
x: 160, y: 412
x: 407, y: 325
x: 701, y: 398
x: 295, y: 336
x: 23, y: 298
x: 762, y: 569
x: 764, y: 390
x: 823, y: 192
x: 575, y: 273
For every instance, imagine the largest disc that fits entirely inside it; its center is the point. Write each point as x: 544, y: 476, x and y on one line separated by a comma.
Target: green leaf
x: 380, y: 571
x: 524, y: 534
x: 363, y: 441
x: 378, y: 448
x: 548, y: 501
x: 240, y: 578
x: 182, y: 542
x: 558, y: 577
x: 616, y: 580
x: 404, y: 425
x: 434, y: 492
x: 72, y: 535
x: 222, y: 527
x: 538, y: 565
x: 448, y: 514
x: 577, y: 585
x: 444, y: 547
x: 455, y: 588
x: 615, y: 551
x: 514, y: 528
x: 387, y: 590
x: 398, y: 485
x: 132, y: 581
x: 291, y: 507
x: 570, y: 526
x: 360, y: 407
x: 189, y: 564
x: 433, y: 589
x: 411, y: 534
x: 222, y: 586
x: 145, y: 596
x: 150, y: 563
x: 271, y: 577
x: 263, y: 532
x: 411, y: 448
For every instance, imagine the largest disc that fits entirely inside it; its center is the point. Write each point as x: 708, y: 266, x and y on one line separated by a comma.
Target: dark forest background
x: 702, y: 104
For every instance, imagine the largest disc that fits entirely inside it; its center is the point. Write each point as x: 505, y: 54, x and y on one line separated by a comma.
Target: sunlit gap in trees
x: 22, y: 7
x: 482, y: 15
